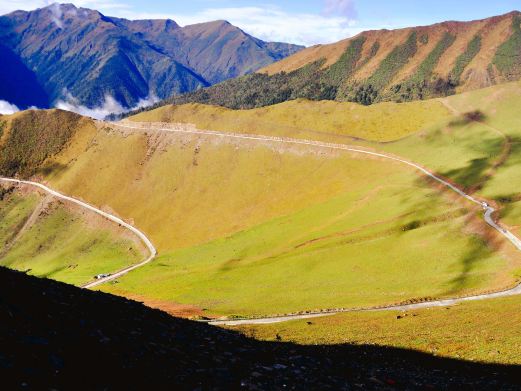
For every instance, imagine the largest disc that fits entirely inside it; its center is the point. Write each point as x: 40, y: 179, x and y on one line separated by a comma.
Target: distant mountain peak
x: 153, y: 25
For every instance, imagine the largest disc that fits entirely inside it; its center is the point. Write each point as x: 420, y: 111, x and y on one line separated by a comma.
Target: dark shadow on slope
x: 49, y: 168
x: 477, y: 253
x: 473, y: 173
x: 18, y: 84
x: 479, y: 245
x: 509, y: 203
x: 55, y: 336
x: 467, y: 118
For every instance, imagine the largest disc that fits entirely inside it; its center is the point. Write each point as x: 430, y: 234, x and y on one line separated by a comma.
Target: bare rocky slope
x: 55, y: 336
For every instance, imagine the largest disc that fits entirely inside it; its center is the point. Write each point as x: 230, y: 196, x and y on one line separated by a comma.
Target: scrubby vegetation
x: 464, y: 59
x: 508, y: 56
x: 259, y: 90
x: 390, y: 79
x: 32, y: 137
x: 390, y: 66
x: 338, y: 73
x: 423, y: 84
x: 310, y: 82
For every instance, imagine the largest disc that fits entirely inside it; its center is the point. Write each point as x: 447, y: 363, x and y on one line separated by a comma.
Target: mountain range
x: 384, y: 65
x: 64, y: 53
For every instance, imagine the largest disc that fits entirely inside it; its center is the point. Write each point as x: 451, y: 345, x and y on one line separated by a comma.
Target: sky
x: 305, y: 22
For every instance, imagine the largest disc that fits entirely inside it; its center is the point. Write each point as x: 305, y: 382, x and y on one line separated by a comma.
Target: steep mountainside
x: 64, y: 52
x: 231, y: 246
x: 215, y: 50
x: 399, y: 65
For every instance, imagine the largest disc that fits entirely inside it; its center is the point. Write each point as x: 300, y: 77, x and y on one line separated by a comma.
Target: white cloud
x: 340, y: 7
x: 7, y: 6
x: 109, y: 106
x: 271, y: 23
x: 56, y: 15
x: 268, y: 22
x: 7, y: 108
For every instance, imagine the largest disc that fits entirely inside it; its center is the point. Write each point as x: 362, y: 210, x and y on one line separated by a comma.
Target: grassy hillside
x: 375, y: 66
x: 54, y: 240
x: 481, y: 331
x: 324, y: 120
x: 247, y: 228
x: 479, y: 151
x: 375, y: 244
x: 29, y: 138
x: 481, y: 155
x: 476, y: 145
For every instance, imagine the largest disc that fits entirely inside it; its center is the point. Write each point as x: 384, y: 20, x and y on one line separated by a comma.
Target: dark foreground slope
x: 55, y: 336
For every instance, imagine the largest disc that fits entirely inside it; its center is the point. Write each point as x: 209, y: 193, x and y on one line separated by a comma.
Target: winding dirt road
x: 151, y: 249
x: 488, y: 216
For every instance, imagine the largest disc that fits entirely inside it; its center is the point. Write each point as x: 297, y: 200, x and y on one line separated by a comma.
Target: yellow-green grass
x: 228, y: 217
x: 485, y: 331
x: 388, y: 239
x: 184, y: 191
x: 306, y: 119
x: 464, y: 151
x: 51, y: 240
x: 471, y: 153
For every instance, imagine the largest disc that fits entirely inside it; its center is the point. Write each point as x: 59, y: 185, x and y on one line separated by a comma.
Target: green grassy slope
x: 376, y: 243
x: 473, y: 154
x: 326, y: 120
x: 482, y: 156
x: 52, y: 240
x: 247, y: 228
x: 486, y: 331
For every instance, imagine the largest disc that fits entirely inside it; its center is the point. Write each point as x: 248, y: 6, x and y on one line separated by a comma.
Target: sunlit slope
x: 388, y: 239
x: 481, y: 150
x: 303, y: 119
x: 249, y: 227
x: 184, y: 190
x: 50, y: 239
x: 486, y: 331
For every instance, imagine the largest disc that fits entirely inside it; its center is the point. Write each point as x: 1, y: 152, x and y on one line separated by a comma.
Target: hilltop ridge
x: 407, y: 64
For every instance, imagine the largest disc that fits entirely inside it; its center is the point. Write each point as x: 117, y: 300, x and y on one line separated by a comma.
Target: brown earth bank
x: 55, y: 336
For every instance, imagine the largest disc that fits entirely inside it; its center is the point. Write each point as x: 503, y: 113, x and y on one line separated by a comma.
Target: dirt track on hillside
x: 191, y: 130
x: 487, y: 214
